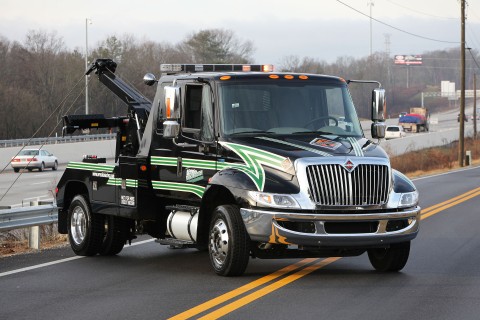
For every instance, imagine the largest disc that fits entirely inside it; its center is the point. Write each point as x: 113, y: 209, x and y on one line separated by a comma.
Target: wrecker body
x: 242, y: 163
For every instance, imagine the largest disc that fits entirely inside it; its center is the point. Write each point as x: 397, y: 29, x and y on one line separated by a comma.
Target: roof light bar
x: 192, y: 68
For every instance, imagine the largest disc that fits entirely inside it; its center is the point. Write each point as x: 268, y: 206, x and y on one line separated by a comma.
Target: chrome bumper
x: 269, y: 227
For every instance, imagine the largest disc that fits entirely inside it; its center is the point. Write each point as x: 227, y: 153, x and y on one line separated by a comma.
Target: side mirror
x: 172, y: 102
x: 171, y: 127
x: 379, y: 104
x: 378, y: 130
x: 149, y: 79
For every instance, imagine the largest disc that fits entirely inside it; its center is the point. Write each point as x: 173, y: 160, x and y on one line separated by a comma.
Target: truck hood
x: 295, y: 147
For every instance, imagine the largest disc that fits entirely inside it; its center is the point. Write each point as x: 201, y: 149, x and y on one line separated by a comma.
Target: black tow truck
x: 244, y: 162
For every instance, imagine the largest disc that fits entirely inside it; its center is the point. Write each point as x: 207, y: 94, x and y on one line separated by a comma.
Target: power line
x: 395, y: 28
x: 473, y: 57
x: 420, y: 12
x: 471, y: 34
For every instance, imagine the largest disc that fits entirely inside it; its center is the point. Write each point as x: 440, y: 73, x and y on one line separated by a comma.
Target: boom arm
x: 131, y: 126
x: 105, y: 69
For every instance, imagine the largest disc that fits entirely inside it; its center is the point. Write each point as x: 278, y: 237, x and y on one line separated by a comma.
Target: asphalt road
x: 149, y: 281
x: 18, y: 189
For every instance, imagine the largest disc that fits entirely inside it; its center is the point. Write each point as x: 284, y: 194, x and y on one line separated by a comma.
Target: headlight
x: 274, y: 200
x: 409, y: 199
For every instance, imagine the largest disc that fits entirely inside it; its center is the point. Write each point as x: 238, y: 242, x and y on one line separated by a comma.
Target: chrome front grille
x: 334, y: 185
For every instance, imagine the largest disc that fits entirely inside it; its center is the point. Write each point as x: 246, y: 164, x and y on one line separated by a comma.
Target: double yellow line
x: 290, y: 274
x: 430, y: 211
x: 256, y: 294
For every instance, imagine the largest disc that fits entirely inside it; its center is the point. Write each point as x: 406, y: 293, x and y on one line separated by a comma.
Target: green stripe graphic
x: 90, y: 166
x: 118, y: 182
x: 254, y: 160
x: 176, y: 186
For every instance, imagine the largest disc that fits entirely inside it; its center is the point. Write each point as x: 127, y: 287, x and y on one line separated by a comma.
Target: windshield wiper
x: 311, y: 132
x: 366, y: 144
x: 253, y: 131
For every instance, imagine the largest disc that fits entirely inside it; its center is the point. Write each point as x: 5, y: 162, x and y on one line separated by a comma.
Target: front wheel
x: 393, y: 258
x: 228, y: 242
x: 85, y: 228
x: 55, y: 166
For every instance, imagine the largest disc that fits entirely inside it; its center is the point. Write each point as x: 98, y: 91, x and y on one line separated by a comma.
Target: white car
x: 34, y: 159
x: 393, y: 132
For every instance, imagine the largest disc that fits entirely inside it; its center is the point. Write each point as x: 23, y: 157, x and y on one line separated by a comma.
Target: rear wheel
x: 85, y: 228
x: 42, y: 167
x: 390, y: 259
x: 228, y: 243
x: 115, y: 235
x: 16, y: 169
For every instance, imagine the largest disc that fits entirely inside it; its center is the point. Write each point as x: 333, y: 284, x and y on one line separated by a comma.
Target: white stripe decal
x: 356, y: 147
x: 322, y: 153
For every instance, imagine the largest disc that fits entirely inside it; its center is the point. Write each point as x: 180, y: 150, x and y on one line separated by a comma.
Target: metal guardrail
x: 25, y: 217
x: 56, y: 140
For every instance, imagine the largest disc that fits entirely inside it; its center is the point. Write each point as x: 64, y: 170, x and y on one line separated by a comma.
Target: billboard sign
x: 408, y: 59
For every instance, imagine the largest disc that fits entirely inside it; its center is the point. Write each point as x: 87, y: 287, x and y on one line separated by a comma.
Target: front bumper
x: 350, y: 230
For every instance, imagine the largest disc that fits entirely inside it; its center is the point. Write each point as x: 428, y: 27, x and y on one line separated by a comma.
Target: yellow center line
x: 268, y: 289
x: 428, y: 212
x: 234, y: 293
x: 448, y: 204
x: 438, y: 205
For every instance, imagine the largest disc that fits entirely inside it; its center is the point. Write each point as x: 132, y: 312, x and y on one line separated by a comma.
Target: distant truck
x: 415, y: 121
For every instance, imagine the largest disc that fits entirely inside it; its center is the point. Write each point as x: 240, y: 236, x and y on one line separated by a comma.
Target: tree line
x: 42, y: 80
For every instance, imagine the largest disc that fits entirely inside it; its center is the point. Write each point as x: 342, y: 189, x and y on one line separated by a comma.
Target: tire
x: 85, y: 228
x: 16, y: 169
x: 55, y: 166
x: 390, y: 259
x: 42, y: 167
x: 115, y: 235
x: 228, y: 242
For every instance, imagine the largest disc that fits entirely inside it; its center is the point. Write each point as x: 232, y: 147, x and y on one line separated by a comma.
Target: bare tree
x: 217, y: 46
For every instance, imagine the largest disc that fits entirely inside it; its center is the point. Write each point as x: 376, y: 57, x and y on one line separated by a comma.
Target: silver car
x: 34, y: 159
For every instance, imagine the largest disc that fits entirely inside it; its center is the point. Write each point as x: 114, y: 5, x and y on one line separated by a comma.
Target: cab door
x: 186, y: 163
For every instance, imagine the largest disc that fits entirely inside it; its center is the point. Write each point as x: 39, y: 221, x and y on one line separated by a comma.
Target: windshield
x: 288, y: 107
x: 28, y: 153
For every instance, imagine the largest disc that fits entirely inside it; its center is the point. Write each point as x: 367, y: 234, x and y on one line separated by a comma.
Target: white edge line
x: 445, y: 173
x: 47, y: 264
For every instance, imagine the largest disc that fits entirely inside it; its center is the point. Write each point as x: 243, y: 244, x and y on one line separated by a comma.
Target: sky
x: 319, y: 29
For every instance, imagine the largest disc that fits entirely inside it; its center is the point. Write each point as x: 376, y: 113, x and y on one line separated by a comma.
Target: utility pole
x: 475, y: 106
x: 87, y: 22
x: 371, y: 4
x: 461, y: 138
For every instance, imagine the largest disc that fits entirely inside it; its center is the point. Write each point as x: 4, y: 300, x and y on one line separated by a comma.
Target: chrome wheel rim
x: 78, y: 225
x: 219, y: 243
